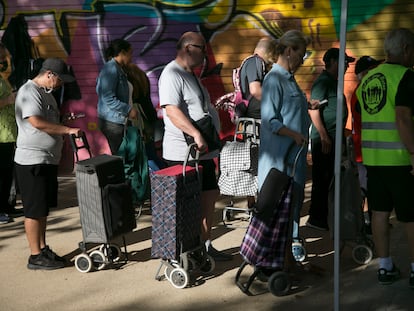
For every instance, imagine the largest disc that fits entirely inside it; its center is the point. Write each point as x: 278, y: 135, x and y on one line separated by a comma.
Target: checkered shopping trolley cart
x: 268, y: 237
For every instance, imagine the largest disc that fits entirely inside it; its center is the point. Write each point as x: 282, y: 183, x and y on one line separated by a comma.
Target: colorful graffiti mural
x: 78, y: 31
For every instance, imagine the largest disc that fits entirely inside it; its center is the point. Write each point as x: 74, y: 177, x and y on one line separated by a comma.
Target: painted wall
x: 78, y: 32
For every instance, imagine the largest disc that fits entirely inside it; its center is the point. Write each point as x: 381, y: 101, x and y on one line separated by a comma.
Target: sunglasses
x: 201, y: 47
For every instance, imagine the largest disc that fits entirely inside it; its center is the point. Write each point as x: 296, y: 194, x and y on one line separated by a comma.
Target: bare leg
x: 208, y: 202
x: 380, y: 232
x: 35, y: 233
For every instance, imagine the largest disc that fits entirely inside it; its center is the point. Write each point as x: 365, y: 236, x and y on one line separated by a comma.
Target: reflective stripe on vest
x: 379, y: 125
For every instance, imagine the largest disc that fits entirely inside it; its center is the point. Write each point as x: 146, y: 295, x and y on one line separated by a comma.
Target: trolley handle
x: 241, y: 128
x: 187, y: 158
x: 83, y: 145
x: 295, y: 161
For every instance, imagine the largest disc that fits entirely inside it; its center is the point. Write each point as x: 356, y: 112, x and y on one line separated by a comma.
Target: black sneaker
x: 47, y: 251
x: 386, y: 277
x: 217, y: 255
x: 14, y: 212
x: 411, y: 280
x: 42, y: 262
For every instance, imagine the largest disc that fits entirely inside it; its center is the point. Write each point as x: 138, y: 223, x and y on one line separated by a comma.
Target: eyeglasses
x: 201, y: 47
x: 307, y: 55
x: 57, y: 76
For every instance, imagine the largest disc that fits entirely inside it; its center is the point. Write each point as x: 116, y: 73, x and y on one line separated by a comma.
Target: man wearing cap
x: 38, y: 152
x: 387, y: 134
x: 362, y: 66
x: 322, y: 135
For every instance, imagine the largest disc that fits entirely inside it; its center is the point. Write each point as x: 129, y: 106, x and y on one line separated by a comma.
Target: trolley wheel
x: 209, y: 265
x: 279, y: 283
x: 298, y: 251
x: 179, y: 278
x: 362, y: 254
x: 83, y: 263
x: 111, y: 251
x: 98, y: 259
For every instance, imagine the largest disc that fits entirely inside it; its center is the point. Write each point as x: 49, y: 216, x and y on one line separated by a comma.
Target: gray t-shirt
x: 35, y: 146
x: 183, y: 89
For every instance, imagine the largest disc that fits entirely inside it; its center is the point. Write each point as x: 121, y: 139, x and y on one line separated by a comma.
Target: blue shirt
x: 113, y: 93
x: 283, y: 105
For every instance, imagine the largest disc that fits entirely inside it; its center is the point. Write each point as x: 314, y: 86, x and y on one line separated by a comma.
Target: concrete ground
x: 132, y: 286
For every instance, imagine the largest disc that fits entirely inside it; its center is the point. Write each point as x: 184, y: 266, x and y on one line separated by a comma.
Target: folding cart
x: 105, y: 207
x: 238, y: 167
x: 176, y: 222
x: 352, y: 224
x: 267, y: 241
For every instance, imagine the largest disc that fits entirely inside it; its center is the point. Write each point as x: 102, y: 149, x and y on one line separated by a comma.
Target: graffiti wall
x: 78, y: 31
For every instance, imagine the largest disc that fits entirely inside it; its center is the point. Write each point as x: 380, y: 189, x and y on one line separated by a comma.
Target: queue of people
x: 381, y: 107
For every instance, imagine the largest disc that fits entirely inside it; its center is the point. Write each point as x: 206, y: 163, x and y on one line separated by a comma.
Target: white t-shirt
x: 182, y: 89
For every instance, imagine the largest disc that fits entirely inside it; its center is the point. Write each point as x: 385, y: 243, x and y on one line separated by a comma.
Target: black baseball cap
x: 58, y: 66
x: 333, y: 53
x: 365, y: 63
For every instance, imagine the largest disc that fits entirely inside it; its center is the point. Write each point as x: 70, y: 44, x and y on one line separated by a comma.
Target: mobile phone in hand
x: 322, y: 102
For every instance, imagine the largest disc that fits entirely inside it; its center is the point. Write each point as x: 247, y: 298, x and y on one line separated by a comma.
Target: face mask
x: 4, y: 65
x: 48, y: 90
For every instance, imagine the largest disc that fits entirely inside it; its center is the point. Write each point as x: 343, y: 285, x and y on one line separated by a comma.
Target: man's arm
x: 317, y: 122
x: 41, y: 124
x: 405, y: 126
x: 180, y: 120
x: 255, y: 89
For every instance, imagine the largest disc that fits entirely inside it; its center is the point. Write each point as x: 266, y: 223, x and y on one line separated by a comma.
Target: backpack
x: 234, y: 102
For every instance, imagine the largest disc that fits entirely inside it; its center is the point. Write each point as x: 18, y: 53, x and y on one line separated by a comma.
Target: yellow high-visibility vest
x: 381, y: 142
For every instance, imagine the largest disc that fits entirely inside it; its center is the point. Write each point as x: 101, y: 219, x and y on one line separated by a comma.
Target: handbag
x: 208, y: 131
x: 271, y: 193
x: 274, y: 188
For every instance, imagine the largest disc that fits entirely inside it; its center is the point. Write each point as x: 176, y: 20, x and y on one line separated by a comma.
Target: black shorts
x: 38, y: 188
x: 209, y: 178
x: 391, y: 187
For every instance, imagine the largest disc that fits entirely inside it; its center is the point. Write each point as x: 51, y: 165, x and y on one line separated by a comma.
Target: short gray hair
x: 292, y: 38
x: 396, y: 40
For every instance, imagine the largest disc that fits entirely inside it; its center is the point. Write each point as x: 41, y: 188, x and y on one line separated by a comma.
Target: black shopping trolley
x: 351, y: 215
x: 105, y: 208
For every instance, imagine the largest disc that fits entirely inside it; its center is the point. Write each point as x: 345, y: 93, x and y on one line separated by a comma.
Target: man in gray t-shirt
x: 35, y: 146
x: 183, y: 98
x: 39, y: 143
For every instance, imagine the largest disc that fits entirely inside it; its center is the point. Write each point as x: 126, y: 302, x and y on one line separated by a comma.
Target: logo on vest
x: 374, y: 91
